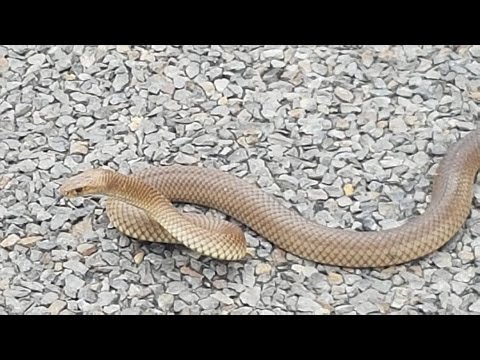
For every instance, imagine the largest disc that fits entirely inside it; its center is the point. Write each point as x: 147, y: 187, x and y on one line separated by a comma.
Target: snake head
x: 90, y: 182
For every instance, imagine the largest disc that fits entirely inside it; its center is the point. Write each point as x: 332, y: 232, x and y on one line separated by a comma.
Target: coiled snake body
x: 139, y: 205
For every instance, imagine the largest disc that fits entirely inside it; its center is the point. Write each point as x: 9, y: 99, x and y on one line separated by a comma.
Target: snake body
x: 139, y: 205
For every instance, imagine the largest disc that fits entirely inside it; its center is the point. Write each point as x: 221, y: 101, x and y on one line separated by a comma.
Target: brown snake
x: 139, y: 205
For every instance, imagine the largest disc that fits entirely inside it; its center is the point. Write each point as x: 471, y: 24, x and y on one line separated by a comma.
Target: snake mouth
x: 72, y: 193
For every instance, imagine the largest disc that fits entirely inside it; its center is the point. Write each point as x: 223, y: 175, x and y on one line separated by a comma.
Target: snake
x: 141, y: 206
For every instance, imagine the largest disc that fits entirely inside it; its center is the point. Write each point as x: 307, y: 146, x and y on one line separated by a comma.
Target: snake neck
x: 135, y: 192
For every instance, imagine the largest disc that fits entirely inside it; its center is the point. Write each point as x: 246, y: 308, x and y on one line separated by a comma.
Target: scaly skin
x: 150, y: 192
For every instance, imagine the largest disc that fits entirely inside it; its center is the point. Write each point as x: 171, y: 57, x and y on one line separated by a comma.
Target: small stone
x: 463, y: 125
x: 120, y: 81
x: 175, y: 287
x: 58, y: 143
x: 220, y: 110
x: 344, y: 201
x: 308, y: 104
x: 4, y: 65
x: 279, y: 256
x: 367, y: 58
x: 235, y: 65
x: 49, y: 298
x: 348, y: 189
x: 190, y: 272
x: 306, y: 304
x: 56, y: 307
x: 466, y: 255
x: 208, y: 303
x: 334, y: 278
x: 263, y: 268
x: 135, y: 123
x: 304, y: 270
x: 222, y: 298
x: 79, y: 147
x: 343, y: 94
x: 111, y: 309
x: 439, y: 149
x: 10, y: 241
x: 138, y: 258
x: 244, y: 310
x: 205, y: 140
x: 37, y: 59
x: 344, y: 309
x: 273, y: 53
x: 106, y: 298
x: 221, y: 84
x: 464, y: 276
x: 475, y: 307
x: 390, y: 163
x: 179, y: 305
x: 442, y: 259
x: 404, y: 91
x: 76, y: 266
x: 72, y: 285
x: 86, y: 249
x: 383, y: 286
x: 208, y: 87
x: 317, y: 194
x: 475, y: 50
x: 26, y: 166
x: 192, y: 70
x: 397, y: 125
x: 277, y: 63
x: 58, y: 220
x: 179, y: 82
x: 387, y: 209
x: 364, y: 308
x: 250, y: 297
x: 185, y: 159
x: 165, y: 301
x: 432, y: 74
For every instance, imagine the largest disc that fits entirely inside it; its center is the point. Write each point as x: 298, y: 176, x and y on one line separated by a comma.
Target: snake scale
x: 140, y: 206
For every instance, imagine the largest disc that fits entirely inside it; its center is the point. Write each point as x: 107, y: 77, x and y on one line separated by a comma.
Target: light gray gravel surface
x: 347, y: 135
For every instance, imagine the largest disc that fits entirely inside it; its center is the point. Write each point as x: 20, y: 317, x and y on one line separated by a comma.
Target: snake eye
x: 78, y: 190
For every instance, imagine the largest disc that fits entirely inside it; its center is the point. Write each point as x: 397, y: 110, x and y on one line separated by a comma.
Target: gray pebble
x: 208, y: 303
x: 343, y: 94
x: 72, y: 285
x: 308, y: 305
x: 222, y: 298
x: 221, y: 84
x: 273, y: 53
x: 175, y: 287
x: 364, y: 308
x: 106, y: 298
x: 76, y: 266
x: 179, y: 305
x: 250, y: 296
x: 165, y: 301
x: 185, y: 159
x: 442, y: 259
x: 37, y: 59
x: 397, y: 125
x: 475, y: 50
x: 192, y: 70
x: 120, y: 81
x: 475, y: 307
x: 58, y: 221
x: 205, y: 140
x: 58, y: 143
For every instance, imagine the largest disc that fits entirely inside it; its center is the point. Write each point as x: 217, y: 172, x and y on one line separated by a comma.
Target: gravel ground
x: 348, y: 135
